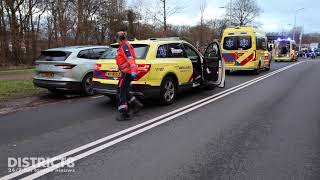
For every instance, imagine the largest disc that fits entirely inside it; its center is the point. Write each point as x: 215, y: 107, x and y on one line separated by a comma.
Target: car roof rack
x: 165, y: 39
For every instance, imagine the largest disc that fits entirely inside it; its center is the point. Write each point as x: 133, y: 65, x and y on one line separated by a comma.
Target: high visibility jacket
x: 126, y: 58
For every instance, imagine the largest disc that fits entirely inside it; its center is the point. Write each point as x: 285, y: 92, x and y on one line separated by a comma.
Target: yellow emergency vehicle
x: 285, y: 50
x: 245, y: 48
x: 165, y: 67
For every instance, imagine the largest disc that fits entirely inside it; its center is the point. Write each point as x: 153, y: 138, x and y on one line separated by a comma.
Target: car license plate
x: 113, y: 74
x: 47, y: 75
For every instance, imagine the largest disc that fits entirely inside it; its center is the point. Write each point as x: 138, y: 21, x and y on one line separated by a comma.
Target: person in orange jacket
x: 126, y: 61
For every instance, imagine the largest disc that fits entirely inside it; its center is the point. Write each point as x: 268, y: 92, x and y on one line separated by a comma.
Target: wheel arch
x: 172, y: 75
x: 86, y: 74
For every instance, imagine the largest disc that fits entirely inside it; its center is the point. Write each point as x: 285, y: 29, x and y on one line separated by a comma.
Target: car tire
x: 269, y: 67
x: 86, y: 84
x: 258, y: 70
x: 168, y: 91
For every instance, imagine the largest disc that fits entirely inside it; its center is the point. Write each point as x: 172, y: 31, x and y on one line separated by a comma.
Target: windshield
x: 284, y: 44
x: 283, y: 47
x: 141, y: 51
x: 237, y: 43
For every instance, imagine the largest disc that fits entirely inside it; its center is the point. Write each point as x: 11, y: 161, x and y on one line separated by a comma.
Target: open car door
x: 213, y: 65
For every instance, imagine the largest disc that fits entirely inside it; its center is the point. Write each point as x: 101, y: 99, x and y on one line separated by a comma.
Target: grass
x: 14, y: 72
x: 17, y: 88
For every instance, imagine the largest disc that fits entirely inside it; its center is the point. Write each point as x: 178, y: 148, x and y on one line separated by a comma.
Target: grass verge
x: 14, y: 72
x: 17, y: 88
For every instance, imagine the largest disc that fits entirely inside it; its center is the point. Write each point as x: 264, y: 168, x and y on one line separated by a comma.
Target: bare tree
x: 242, y: 12
x: 203, y: 7
x: 12, y: 7
x: 169, y: 10
x: 4, y: 50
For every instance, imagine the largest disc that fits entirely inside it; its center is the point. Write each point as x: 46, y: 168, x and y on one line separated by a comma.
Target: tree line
x: 28, y: 26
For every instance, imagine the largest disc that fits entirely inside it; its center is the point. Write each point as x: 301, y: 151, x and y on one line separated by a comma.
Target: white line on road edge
x: 96, y: 97
x: 165, y: 118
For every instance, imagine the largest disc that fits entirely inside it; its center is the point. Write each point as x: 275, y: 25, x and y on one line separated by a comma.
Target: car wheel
x: 168, y: 91
x: 269, y: 66
x: 258, y: 70
x: 87, y: 89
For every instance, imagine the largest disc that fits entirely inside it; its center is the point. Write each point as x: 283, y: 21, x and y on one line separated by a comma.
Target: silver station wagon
x: 67, y: 68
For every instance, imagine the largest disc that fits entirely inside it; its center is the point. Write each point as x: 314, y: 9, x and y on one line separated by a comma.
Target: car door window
x: 174, y: 50
x: 84, y: 54
x: 191, y: 53
x: 162, y: 51
x: 261, y: 44
x: 212, y: 51
x: 97, y: 53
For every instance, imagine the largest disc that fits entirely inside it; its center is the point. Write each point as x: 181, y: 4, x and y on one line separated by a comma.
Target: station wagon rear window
x: 141, y: 51
x: 54, y: 55
x: 237, y: 43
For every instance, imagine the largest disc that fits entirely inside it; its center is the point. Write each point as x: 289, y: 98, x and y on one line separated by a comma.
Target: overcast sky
x: 277, y: 16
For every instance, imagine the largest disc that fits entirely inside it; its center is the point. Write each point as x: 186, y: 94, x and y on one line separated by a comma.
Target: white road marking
x: 96, y: 97
x: 149, y: 125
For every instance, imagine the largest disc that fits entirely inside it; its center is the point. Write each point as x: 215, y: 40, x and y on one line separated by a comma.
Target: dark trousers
x: 123, y: 92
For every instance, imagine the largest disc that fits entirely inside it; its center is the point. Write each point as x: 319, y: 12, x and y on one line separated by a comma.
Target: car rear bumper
x: 50, y: 84
x: 252, y: 65
x: 144, y: 91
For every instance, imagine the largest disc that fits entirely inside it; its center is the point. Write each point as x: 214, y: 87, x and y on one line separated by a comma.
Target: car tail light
x: 65, y: 66
x: 143, y: 69
x: 97, y: 67
x: 255, y: 56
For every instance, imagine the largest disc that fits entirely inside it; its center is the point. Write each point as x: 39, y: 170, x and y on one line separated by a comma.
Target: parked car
x: 165, y: 67
x: 67, y: 68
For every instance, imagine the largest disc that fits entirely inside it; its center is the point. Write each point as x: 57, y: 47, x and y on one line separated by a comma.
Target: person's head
x: 121, y: 36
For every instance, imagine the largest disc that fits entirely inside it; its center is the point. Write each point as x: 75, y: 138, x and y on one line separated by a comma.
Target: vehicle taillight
x: 65, y: 66
x: 97, y: 67
x: 255, y: 57
x: 143, y: 69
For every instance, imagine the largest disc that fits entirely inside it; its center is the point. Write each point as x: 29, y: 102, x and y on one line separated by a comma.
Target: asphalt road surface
x: 263, y: 126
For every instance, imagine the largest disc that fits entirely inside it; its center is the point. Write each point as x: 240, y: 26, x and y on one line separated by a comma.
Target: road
x: 268, y: 128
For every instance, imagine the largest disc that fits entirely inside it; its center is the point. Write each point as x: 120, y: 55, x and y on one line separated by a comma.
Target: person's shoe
x: 123, y: 117
x: 136, y: 107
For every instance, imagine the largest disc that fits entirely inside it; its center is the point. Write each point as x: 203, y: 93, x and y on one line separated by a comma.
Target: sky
x: 277, y: 16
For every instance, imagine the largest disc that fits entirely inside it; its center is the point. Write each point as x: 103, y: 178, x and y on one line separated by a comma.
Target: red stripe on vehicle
x: 234, y: 55
x: 249, y: 58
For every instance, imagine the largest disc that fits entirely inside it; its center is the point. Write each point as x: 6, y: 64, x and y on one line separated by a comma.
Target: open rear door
x: 213, y: 65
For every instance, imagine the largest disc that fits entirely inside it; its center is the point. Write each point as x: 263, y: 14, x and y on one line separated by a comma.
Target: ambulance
x: 285, y: 50
x: 245, y: 48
